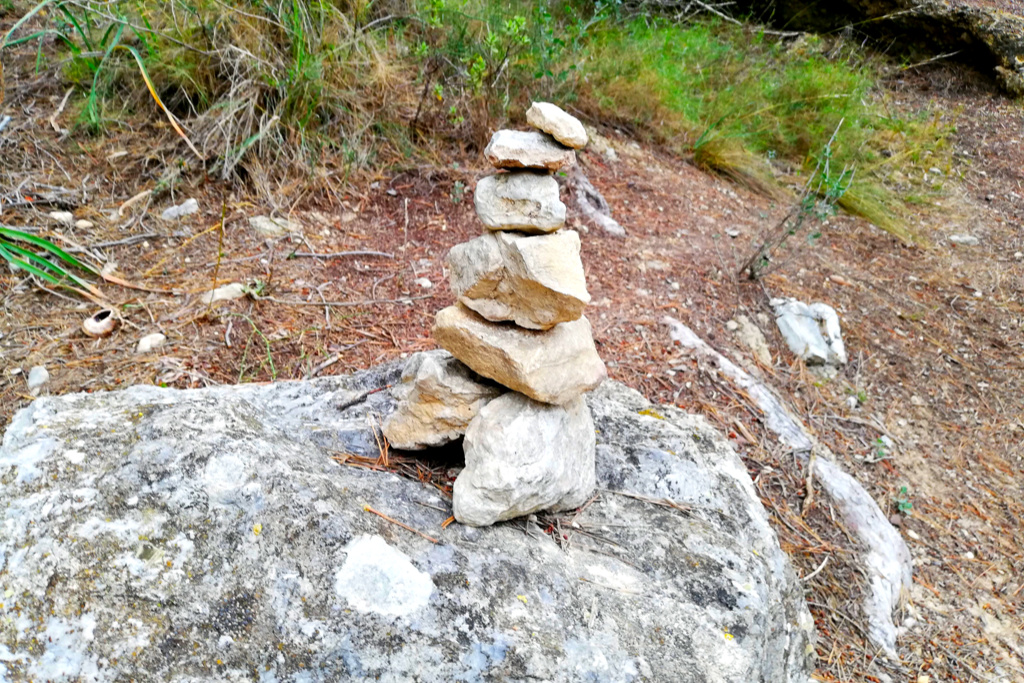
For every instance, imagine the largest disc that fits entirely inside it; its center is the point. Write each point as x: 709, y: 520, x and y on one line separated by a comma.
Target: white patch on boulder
x: 380, y: 579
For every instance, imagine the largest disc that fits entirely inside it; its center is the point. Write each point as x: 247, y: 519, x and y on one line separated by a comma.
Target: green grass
x: 738, y: 100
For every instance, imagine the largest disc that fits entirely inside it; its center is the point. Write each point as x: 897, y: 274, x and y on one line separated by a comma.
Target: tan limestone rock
x: 554, y: 366
x: 523, y: 456
x: 554, y: 121
x: 523, y: 201
x: 437, y: 399
x: 527, y: 149
x: 535, y: 281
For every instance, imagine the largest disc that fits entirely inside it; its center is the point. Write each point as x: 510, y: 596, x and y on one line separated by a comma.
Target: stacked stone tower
x: 518, y: 321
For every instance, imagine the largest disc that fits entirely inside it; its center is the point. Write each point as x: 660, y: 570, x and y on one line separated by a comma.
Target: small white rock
x: 733, y: 233
x: 235, y: 290
x: 63, y: 217
x: 83, y: 224
x: 186, y: 208
x: 965, y: 240
x: 37, y: 377
x: 732, y: 326
x: 274, y: 227
x: 1019, y: 255
x: 132, y: 502
x: 424, y: 283
x: 150, y: 342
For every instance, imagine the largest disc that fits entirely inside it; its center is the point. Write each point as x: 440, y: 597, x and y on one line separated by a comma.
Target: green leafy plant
x: 817, y: 203
x: 903, y: 502
x: 45, y: 260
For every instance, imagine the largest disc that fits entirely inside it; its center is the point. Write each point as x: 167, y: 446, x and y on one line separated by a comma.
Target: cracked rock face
x: 154, y: 534
x: 553, y: 366
x: 536, y: 282
x: 527, y: 149
x: 525, y: 201
x: 437, y: 398
x: 554, y: 121
x: 523, y: 456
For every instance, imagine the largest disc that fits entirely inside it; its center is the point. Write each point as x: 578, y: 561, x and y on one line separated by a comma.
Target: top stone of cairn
x: 527, y: 149
x: 553, y: 120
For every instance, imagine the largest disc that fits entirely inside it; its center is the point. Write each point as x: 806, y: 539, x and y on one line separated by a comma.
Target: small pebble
x: 150, y: 342
x: 37, y: 377
x: 63, y: 217
x: 83, y: 224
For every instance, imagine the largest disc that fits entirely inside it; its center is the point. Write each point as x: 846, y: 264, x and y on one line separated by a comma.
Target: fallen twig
x: 396, y: 522
x: 339, y: 254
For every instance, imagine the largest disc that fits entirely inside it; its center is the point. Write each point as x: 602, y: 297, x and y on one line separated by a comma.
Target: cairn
x: 519, y: 322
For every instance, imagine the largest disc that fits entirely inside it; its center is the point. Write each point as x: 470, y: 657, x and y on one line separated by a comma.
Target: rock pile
x: 519, y: 322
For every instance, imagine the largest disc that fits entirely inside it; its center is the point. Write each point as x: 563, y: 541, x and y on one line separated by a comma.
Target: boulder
x: 527, y: 149
x: 553, y: 120
x: 154, y: 534
x: 523, y: 201
x: 437, y: 398
x: 522, y: 457
x: 811, y: 332
x: 554, y: 366
x: 537, y: 281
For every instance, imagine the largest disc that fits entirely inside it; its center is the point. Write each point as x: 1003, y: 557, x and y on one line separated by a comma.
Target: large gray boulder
x: 161, y: 535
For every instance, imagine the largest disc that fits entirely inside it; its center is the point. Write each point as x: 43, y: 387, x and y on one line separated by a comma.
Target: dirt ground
x: 935, y: 332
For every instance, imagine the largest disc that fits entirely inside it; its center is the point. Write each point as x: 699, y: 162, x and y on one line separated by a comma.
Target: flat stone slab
x: 521, y: 200
x: 553, y: 366
x: 554, y: 121
x: 535, y: 281
x: 527, y: 149
x: 208, y: 535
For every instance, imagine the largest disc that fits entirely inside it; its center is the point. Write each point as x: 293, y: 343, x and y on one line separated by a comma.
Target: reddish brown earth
x: 935, y: 334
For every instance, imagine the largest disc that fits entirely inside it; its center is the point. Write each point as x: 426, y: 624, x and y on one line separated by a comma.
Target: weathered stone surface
x: 527, y: 149
x: 149, y: 533
x: 523, y: 456
x: 554, y: 366
x: 523, y: 201
x: 554, y: 121
x: 437, y: 399
x: 537, y: 281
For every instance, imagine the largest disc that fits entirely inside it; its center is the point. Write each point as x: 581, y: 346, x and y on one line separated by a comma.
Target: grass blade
x: 20, y: 22
x: 48, y: 246
x: 25, y: 253
x: 156, y: 98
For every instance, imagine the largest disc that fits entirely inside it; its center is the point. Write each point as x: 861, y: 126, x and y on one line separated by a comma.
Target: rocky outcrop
x: 154, y: 534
